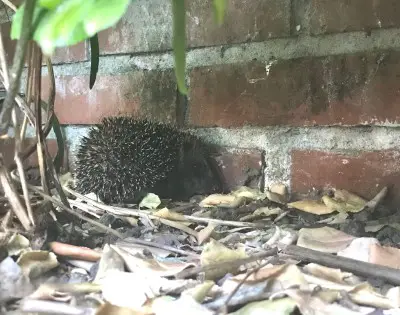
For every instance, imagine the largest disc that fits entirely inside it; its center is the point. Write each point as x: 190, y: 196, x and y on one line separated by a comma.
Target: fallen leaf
x: 350, y: 198
x: 385, y: 256
x: 200, y: 291
x: 335, y: 219
x: 263, y: 211
x: 17, y: 244
x: 133, y: 289
x: 215, y: 252
x: 330, y: 274
x: 311, y: 206
x: 14, y: 283
x: 224, y: 201
x: 276, y: 197
x: 284, y: 306
x: 150, y: 201
x: 359, y: 249
x: 35, y: 263
x: 325, y: 239
x: 182, y: 306
x: 205, y: 233
x: 166, y: 268
x: 108, y: 309
x: 249, y: 193
x: 165, y: 213
x: 279, y: 189
x: 110, y: 261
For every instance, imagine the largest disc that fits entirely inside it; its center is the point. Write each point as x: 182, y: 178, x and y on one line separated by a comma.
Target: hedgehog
x: 123, y: 158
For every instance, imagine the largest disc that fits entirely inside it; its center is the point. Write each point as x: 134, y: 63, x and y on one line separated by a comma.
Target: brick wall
x: 314, y: 84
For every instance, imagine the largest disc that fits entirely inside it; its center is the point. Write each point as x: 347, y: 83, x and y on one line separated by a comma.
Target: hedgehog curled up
x: 124, y: 158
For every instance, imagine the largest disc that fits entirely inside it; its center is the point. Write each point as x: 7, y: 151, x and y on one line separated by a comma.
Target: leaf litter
x: 246, y: 252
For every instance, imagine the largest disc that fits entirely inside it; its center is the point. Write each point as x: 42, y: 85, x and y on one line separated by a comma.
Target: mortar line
x: 278, y: 48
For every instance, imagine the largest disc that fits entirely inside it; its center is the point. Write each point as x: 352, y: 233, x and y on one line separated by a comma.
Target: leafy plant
x: 62, y: 23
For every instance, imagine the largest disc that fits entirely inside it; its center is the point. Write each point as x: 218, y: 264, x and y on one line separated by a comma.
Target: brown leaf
x: 325, y: 239
x: 312, y: 206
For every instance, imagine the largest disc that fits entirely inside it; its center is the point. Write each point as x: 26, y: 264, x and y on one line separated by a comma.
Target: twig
x: 10, y: 5
x: 361, y: 268
x: 16, y: 70
x: 49, y: 307
x: 3, y: 60
x: 105, y: 228
x: 224, y: 308
x: 233, y: 263
x: 20, y: 168
x: 142, y: 213
x: 13, y: 196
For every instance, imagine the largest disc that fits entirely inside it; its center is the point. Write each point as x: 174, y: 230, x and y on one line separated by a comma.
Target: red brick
x: 245, y: 20
x: 146, y: 26
x: 329, y: 16
x: 70, y: 54
x: 363, y: 173
x: 146, y: 93
x: 7, y: 150
x: 238, y: 166
x: 336, y: 90
x: 258, y: 20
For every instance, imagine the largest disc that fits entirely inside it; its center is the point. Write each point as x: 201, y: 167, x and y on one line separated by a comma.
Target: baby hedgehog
x: 123, y: 158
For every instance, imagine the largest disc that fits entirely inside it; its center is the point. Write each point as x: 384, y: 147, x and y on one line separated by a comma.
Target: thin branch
x: 13, y: 196
x: 3, y: 59
x: 18, y: 62
x: 17, y: 158
x: 10, y: 5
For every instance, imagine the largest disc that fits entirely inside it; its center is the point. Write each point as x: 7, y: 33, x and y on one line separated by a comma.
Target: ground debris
x: 240, y: 253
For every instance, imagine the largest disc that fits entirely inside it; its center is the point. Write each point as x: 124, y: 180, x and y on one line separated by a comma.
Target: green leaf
x: 63, y: 26
x: 94, y: 59
x: 105, y: 14
x: 49, y: 4
x: 16, y: 24
x: 219, y: 10
x: 179, y: 43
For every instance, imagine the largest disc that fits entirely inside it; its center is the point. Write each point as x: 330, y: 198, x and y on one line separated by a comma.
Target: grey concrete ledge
x: 274, y: 49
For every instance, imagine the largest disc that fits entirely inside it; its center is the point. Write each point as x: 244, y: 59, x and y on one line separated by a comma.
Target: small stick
x: 233, y: 263
x: 141, y: 213
x: 361, y: 268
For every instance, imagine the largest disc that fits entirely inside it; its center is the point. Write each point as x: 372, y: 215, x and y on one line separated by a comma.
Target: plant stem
x: 18, y: 63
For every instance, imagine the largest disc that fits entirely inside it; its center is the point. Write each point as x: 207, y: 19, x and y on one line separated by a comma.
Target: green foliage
x: 68, y: 22
x: 179, y: 42
x: 94, y: 59
x: 219, y: 10
x: 61, y: 23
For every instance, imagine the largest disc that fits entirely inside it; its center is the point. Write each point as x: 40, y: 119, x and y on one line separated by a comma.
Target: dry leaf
x: 359, y: 249
x: 182, y: 306
x: 276, y: 197
x: 214, y: 252
x: 165, y: 268
x: 350, y: 198
x: 110, y: 261
x: 224, y: 201
x: 312, y: 206
x: 35, y: 263
x: 109, y: 309
x: 330, y: 274
x: 279, y: 189
x: 170, y: 215
x: 150, y: 201
x: 385, y: 256
x: 325, y: 239
x: 199, y: 292
x: 205, y: 233
x: 249, y: 193
x: 17, y: 244
x: 284, y: 306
